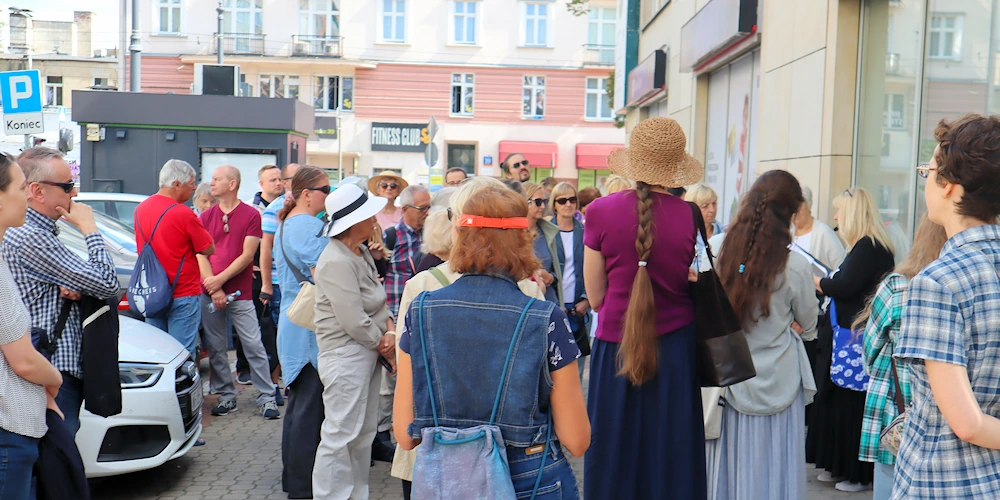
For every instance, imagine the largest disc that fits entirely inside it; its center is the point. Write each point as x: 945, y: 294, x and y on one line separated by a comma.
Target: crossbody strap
x: 699, y: 228
x: 900, y: 402
x: 153, y: 235
x: 506, y: 364
x: 281, y: 241
x: 440, y: 276
x: 60, y: 325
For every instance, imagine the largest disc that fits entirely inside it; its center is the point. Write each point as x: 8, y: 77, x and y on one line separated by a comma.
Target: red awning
x: 594, y: 156
x: 538, y: 154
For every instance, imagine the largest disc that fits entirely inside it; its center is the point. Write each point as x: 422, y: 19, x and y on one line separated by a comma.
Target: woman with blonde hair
x: 708, y: 202
x: 835, y: 429
x: 880, y: 321
x: 546, y: 249
x: 569, y: 251
x: 617, y: 183
x: 388, y: 185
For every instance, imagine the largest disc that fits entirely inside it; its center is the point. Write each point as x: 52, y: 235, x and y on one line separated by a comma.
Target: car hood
x: 142, y: 343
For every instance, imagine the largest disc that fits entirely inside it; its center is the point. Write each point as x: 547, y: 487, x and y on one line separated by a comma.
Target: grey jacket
x: 551, y: 232
x: 350, y: 299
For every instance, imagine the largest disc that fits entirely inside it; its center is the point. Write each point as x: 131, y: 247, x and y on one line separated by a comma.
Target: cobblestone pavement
x: 242, y: 460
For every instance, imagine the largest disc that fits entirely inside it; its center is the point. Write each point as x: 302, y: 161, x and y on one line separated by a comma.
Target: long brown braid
x: 637, y: 356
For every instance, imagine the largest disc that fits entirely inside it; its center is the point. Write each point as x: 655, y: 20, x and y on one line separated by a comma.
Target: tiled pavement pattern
x: 242, y: 460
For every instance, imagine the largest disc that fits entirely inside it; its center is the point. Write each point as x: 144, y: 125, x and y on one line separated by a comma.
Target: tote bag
x: 302, y: 310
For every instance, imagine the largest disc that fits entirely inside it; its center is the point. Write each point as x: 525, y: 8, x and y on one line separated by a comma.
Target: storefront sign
x: 402, y: 137
x: 326, y: 127
x: 715, y: 28
x: 647, y: 79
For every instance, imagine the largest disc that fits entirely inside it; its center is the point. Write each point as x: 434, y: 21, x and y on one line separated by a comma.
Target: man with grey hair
x: 181, y: 238
x: 48, y: 274
x: 227, y: 277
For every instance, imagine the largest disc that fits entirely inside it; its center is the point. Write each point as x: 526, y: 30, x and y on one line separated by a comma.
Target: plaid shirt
x: 401, y: 266
x: 40, y: 264
x: 879, y: 343
x: 951, y: 316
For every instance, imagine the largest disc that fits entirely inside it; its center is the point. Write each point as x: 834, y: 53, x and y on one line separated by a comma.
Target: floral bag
x: 846, y: 363
x: 892, y: 435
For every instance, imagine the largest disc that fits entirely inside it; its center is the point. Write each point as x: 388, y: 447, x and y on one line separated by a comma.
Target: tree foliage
x: 577, y: 7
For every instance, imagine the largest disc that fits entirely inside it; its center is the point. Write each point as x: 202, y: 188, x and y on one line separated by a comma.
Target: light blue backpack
x: 471, y: 463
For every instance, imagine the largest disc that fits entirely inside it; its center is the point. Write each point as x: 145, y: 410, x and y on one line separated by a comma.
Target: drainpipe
x: 135, y: 48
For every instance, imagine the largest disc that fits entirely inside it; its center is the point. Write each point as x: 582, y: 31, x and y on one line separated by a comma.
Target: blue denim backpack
x: 847, y: 368
x: 468, y: 463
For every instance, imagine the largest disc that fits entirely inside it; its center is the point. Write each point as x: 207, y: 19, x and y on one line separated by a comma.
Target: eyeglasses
x: 538, y: 202
x: 225, y: 223
x: 455, y: 183
x: 388, y: 185
x: 925, y: 170
x: 419, y: 209
x: 449, y: 213
x: 67, y: 187
x: 519, y: 164
x: 849, y: 193
x: 563, y: 201
x: 322, y: 189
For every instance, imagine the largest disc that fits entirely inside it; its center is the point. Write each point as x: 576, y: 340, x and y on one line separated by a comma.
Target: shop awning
x: 538, y: 154
x: 594, y: 156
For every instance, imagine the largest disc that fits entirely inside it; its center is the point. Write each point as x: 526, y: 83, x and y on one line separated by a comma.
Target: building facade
x: 498, y: 76
x: 839, y: 93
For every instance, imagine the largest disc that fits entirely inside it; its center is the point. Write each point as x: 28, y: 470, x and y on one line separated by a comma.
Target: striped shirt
x: 40, y: 264
x: 401, y: 266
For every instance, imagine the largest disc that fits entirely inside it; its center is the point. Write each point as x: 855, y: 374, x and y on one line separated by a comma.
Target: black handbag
x: 723, y: 355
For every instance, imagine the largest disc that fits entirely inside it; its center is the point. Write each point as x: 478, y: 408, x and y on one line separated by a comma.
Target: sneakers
x: 279, y: 396
x: 243, y: 378
x: 270, y: 410
x: 223, y: 408
x: 850, y: 487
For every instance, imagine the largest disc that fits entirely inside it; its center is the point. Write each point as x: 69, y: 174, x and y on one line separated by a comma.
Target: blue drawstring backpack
x: 469, y: 463
x: 150, y: 292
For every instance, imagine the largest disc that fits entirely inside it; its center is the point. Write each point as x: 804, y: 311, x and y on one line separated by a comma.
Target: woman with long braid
x: 645, y: 399
x: 771, y: 288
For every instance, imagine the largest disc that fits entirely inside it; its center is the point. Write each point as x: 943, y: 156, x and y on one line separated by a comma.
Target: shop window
x: 945, y: 37
x: 393, y: 17
x: 894, y: 108
x: 533, y: 99
x: 333, y: 93
x: 462, y: 156
x: 593, y: 178
x: 462, y: 94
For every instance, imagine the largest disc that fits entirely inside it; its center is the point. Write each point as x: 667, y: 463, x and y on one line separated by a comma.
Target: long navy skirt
x: 647, y: 441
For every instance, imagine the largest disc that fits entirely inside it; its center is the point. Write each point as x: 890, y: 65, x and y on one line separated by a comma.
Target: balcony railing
x: 321, y: 46
x: 893, y: 67
x: 599, y: 55
x: 243, y: 43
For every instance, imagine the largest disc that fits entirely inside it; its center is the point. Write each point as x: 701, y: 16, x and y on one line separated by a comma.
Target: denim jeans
x: 558, y: 480
x: 18, y: 455
x: 884, y: 475
x: 182, y: 322
x: 69, y: 400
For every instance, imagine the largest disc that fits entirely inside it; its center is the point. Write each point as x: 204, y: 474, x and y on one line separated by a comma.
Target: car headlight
x: 134, y: 375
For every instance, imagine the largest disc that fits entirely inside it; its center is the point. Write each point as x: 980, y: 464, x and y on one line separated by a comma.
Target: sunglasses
x: 924, y: 170
x: 563, y: 201
x: 322, y: 189
x: 449, y: 213
x: 419, y: 209
x: 67, y: 187
x: 388, y: 185
x: 849, y: 193
x: 538, y: 202
x: 519, y: 164
x: 225, y: 223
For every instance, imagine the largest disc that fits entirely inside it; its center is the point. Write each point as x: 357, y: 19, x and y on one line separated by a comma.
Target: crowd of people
x: 439, y: 325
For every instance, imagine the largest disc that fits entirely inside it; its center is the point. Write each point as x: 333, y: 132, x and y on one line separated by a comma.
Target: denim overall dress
x: 478, y: 361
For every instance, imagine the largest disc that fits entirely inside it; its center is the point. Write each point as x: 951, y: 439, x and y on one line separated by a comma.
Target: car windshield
x: 121, y: 236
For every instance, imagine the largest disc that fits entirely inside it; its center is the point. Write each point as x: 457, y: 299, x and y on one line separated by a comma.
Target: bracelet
x: 390, y: 332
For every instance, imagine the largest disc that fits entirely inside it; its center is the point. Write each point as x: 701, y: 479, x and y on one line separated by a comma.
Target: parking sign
x: 21, y: 92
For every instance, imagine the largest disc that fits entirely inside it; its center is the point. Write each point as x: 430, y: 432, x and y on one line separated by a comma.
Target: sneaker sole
x: 222, y: 414
x: 248, y: 382
x: 276, y: 417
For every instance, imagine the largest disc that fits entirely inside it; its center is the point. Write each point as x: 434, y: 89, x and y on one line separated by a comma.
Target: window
x: 464, y: 22
x: 894, y: 106
x: 319, y: 18
x: 53, y: 91
x: 393, y: 21
x: 533, y: 102
x: 598, y: 107
x: 462, y: 156
x: 279, y: 86
x: 946, y: 37
x: 536, y: 24
x: 601, y: 33
x: 170, y: 16
x: 243, y: 16
x: 462, y: 86
x: 102, y: 82
x: 333, y: 91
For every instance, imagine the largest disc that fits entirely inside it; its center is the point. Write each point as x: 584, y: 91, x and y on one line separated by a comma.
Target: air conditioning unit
x: 331, y: 48
x: 216, y: 79
x: 301, y: 48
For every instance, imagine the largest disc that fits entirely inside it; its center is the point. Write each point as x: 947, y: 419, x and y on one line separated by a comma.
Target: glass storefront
x: 921, y: 61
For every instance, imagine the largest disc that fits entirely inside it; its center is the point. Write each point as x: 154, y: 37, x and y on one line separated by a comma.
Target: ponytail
x: 637, y: 356
x: 289, y: 206
x: 303, y: 179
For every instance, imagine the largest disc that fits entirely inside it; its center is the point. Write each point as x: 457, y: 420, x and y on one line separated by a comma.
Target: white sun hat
x: 349, y: 205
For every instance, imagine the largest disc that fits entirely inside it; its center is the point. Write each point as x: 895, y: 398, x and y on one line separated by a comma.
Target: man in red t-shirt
x: 227, y: 277
x: 180, y: 235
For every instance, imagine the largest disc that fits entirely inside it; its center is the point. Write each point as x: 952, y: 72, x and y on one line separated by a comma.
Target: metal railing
x: 321, y: 46
x: 243, y: 43
x: 599, y: 55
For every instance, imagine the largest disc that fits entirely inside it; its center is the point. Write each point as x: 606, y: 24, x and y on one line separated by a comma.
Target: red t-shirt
x: 180, y: 234
x: 244, y: 221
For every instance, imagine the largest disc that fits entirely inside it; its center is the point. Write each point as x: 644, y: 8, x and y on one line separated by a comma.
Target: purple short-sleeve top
x: 612, y: 224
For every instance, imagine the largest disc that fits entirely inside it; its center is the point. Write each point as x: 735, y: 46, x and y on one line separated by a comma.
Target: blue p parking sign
x: 21, y: 92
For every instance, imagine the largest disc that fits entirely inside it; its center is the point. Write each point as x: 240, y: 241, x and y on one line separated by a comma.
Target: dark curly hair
x: 969, y: 155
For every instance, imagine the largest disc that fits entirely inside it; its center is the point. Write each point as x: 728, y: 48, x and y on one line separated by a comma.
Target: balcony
x: 317, y: 46
x: 599, y: 55
x: 893, y: 67
x: 247, y: 44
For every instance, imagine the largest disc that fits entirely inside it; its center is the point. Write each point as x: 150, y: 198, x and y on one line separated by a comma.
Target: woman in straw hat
x: 388, y: 185
x: 645, y: 398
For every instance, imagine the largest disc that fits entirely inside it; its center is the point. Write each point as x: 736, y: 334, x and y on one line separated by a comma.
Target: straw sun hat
x: 656, y: 156
x: 386, y: 176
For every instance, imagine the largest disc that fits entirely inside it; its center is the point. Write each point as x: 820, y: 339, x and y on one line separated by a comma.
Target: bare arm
x: 595, y: 277
x: 569, y: 411
x: 266, y: 260
x: 402, y: 405
x: 953, y: 395
x: 28, y: 364
x: 208, y: 251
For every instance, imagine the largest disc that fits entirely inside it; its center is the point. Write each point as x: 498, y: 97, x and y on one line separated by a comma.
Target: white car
x: 162, y: 397
x: 120, y: 206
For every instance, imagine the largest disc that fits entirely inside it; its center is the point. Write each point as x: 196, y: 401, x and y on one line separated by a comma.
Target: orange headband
x: 487, y: 222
